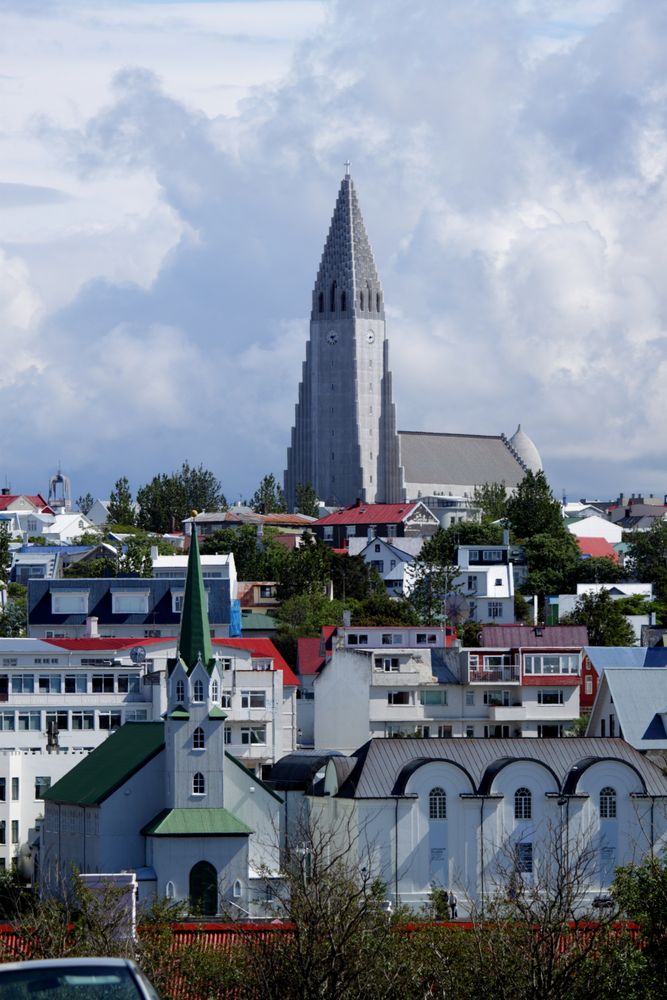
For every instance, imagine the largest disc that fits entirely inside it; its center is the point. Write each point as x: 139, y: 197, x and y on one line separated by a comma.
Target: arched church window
x: 332, y: 302
x: 215, y: 690
x: 361, y: 300
x: 343, y: 302
x: 608, y: 803
x: 198, y: 691
x: 523, y: 804
x: 437, y: 804
x: 203, y: 889
x: 236, y: 889
x: 320, y: 302
x: 198, y: 742
x: 180, y: 691
x: 198, y: 784
x: 169, y: 890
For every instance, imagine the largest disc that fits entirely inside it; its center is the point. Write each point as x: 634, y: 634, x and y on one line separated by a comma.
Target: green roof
x: 110, y: 765
x: 195, y: 633
x: 216, y: 713
x: 196, y: 822
x: 257, y: 621
x: 179, y: 713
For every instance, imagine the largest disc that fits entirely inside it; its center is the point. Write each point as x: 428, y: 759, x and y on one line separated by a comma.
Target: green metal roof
x: 195, y: 632
x: 179, y: 713
x: 216, y: 713
x: 196, y: 823
x: 257, y: 621
x: 110, y: 765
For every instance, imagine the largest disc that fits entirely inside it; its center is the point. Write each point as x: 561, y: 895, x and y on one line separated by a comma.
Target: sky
x: 167, y: 177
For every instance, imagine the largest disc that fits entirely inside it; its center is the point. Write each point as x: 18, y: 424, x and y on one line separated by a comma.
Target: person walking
x: 453, y: 904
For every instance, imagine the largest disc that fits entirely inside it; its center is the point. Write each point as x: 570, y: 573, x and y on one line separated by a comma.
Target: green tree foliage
x: 168, y: 499
x: 600, y: 569
x: 85, y: 502
x: 14, y: 618
x: 431, y: 584
x: 552, y: 559
x: 255, y: 558
x: 523, y: 611
x: 606, y: 623
x: 647, y: 557
x: 470, y: 634
x: 5, y: 552
x: 307, y: 570
x: 306, y: 500
x: 441, y: 547
x: 533, y: 510
x: 135, y: 558
x: 269, y: 497
x: 307, y: 614
x: 121, y: 505
x: 380, y: 609
x: 353, y: 578
x: 491, y: 498
x: 641, y: 892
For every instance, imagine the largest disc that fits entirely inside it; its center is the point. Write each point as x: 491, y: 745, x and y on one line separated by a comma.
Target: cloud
x: 510, y: 161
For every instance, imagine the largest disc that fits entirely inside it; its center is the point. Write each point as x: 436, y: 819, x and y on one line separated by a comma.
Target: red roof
x: 597, y: 548
x: 37, y: 501
x: 529, y: 636
x: 369, y: 513
x: 119, y: 642
x: 259, y: 647
x: 309, y: 657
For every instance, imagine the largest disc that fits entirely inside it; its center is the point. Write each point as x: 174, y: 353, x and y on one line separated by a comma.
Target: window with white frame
x: 23, y: 684
x: 437, y: 804
x: 198, y: 740
x: 128, y: 683
x: 435, y: 696
x: 102, y: 683
x: 524, y: 858
x: 180, y: 690
x: 69, y: 602
x: 225, y: 700
x: 129, y: 602
x: 7, y: 721
x: 588, y: 684
x: 198, y: 691
x: 83, y: 720
x: 253, y: 699
x: 470, y: 698
x: 215, y: 690
x: 29, y: 721
x: 198, y: 784
x: 444, y: 732
x: 390, y: 664
x: 76, y: 683
x: 523, y: 804
x: 42, y: 784
x: 550, y: 696
x: 253, y: 735
x: 551, y: 663
x: 58, y: 719
x: 399, y: 697
x: 494, y: 609
x: 607, y: 803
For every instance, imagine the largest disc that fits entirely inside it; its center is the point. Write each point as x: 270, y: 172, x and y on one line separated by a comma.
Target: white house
x: 476, y: 816
x: 595, y: 526
x: 487, y: 582
x: 631, y: 703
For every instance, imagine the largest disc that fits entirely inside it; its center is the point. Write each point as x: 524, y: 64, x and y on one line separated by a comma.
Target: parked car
x: 75, y: 979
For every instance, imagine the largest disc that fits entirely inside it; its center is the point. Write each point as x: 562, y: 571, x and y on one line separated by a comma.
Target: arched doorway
x: 204, y: 889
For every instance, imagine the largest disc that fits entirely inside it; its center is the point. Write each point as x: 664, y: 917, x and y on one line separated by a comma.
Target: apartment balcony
x: 509, y: 674
x: 507, y: 713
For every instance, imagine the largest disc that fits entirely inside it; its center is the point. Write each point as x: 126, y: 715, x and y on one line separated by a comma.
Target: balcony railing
x: 510, y: 674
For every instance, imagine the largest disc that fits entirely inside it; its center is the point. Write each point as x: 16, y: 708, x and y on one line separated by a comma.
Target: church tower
x: 344, y: 440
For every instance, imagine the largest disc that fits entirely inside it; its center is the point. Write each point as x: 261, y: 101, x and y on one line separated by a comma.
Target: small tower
x: 194, y: 725
x: 60, y: 493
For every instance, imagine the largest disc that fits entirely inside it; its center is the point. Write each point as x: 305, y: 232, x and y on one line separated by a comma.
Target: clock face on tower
x: 332, y: 338
x: 370, y: 337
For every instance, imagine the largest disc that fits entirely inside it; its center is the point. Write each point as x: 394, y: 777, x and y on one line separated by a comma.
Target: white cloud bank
x: 166, y: 219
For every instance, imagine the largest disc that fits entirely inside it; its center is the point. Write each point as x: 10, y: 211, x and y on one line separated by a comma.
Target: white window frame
x: 138, y: 597
x: 70, y: 602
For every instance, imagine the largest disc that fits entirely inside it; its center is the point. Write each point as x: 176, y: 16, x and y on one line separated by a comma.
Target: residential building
x: 382, y: 520
x: 389, y: 559
x: 450, y: 509
x: 406, y: 682
x: 49, y: 562
x: 486, y: 580
x: 141, y: 607
x: 595, y: 526
x: 477, y: 815
x: 631, y: 704
x: 239, y: 515
x: 258, y: 595
x: 597, y: 659
x: 166, y: 801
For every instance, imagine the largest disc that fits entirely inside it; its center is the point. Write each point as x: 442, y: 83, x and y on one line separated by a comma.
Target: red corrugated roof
x: 264, y: 648
x: 597, y: 548
x: 369, y: 513
x: 552, y: 636
x: 309, y: 657
x: 37, y: 501
x: 120, y: 642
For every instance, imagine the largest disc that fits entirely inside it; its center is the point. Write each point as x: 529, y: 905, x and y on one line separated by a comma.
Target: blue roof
x: 629, y: 657
x: 69, y: 549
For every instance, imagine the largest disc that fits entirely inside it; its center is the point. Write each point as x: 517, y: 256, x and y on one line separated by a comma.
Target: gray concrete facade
x: 344, y: 440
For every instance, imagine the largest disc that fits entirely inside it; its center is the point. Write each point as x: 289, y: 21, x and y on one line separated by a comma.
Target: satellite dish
x: 457, y: 608
x: 137, y: 654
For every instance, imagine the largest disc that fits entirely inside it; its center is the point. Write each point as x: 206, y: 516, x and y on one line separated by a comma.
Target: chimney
x: 91, y: 628
x: 506, y: 536
x: 5, y: 491
x: 154, y: 553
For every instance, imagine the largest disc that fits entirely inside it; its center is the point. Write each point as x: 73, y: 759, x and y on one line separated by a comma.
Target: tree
x: 121, y: 506
x: 306, y: 500
x: 441, y: 548
x: 5, y: 552
x: 647, y: 557
x: 600, y: 569
x: 306, y: 570
x: 641, y: 893
x: 353, y: 577
x: 552, y: 558
x: 380, y: 609
x: 307, y: 614
x: 136, y: 560
x: 533, y: 510
x: 168, y: 499
x: 269, y: 497
x: 605, y: 622
x: 431, y: 584
x: 491, y: 498
x: 85, y: 502
x: 254, y: 559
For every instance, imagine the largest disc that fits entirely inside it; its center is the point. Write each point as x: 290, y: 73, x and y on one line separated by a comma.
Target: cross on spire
x: 347, y: 168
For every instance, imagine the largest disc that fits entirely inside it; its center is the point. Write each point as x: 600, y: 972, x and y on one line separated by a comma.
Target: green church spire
x: 195, y: 636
